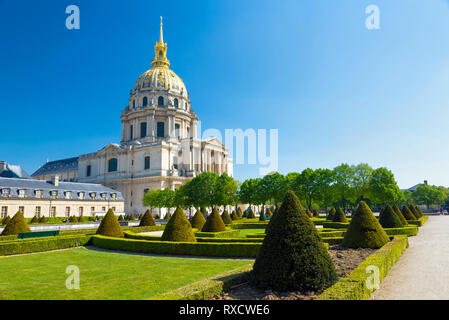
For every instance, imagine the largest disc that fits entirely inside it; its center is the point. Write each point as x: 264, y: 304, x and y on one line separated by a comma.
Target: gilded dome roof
x: 160, y: 79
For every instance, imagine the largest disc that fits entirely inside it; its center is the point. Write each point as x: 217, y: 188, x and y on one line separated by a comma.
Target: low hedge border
x: 42, y: 244
x: 208, y: 288
x: 353, y: 287
x: 331, y: 224
x: 420, y: 222
x: 222, y: 234
x: 207, y: 249
x: 409, y: 231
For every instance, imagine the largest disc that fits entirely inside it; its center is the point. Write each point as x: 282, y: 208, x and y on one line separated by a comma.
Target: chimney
x: 2, y: 165
x: 55, y: 180
x: 425, y: 182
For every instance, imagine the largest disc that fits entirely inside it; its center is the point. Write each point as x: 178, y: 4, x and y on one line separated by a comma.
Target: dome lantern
x: 160, y: 52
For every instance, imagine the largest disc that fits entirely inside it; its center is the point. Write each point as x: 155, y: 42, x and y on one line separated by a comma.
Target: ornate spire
x: 160, y: 52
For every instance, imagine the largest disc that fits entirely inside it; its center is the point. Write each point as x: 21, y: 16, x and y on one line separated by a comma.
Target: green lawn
x: 103, y: 275
x: 244, y: 232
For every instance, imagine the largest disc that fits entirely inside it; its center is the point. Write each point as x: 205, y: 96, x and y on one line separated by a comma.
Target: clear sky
x: 336, y: 91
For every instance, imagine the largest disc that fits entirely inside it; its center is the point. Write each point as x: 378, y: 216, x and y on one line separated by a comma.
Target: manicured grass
x: 244, y: 232
x: 103, y: 275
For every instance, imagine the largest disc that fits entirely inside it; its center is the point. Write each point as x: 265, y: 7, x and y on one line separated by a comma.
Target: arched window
x: 160, y: 129
x: 160, y: 101
x: 145, y: 101
x: 175, y: 102
x: 112, y: 165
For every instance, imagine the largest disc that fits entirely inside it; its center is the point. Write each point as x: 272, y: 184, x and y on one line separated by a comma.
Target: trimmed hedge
x: 330, y: 215
x: 420, y: 222
x: 330, y: 224
x: 250, y: 225
x: 409, y: 231
x: 206, y: 249
x: 225, y: 217
x: 389, y: 219
x: 399, y: 214
x: 234, y: 215
x: 353, y: 287
x: 408, y: 214
x: 42, y: 244
x: 221, y: 234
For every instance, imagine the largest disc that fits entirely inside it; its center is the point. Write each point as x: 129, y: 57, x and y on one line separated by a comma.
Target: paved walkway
x: 422, y: 272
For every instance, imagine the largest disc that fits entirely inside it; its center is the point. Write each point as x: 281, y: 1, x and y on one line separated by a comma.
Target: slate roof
x: 31, y: 185
x: 58, y: 166
x: 13, y: 171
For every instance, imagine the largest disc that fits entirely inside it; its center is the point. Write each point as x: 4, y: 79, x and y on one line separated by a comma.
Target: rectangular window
x: 38, y: 193
x: 147, y: 163
x: 21, y: 193
x: 103, y: 209
x: 131, y: 129
x: 80, y: 211
x: 67, y: 211
x: 88, y: 171
x: 22, y: 209
x: 37, y: 211
x: 54, y: 194
x: 4, y: 211
x: 177, y: 131
x: 143, y: 129
x: 5, y: 192
x: 53, y: 212
x: 160, y: 130
x: 92, y: 211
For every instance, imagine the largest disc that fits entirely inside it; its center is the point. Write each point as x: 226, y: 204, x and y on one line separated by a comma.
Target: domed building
x: 160, y: 147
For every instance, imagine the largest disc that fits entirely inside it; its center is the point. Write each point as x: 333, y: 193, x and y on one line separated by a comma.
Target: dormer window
x: 38, y: 193
x: 22, y: 193
x: 68, y: 194
x: 113, y: 196
x: 5, y: 192
x: 81, y: 195
x: 54, y: 194
x: 92, y: 195
x: 103, y: 196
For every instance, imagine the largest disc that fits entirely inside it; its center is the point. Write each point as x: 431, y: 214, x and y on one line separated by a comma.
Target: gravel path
x: 422, y: 272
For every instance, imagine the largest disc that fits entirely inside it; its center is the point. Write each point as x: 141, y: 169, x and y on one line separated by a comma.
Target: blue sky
x: 336, y: 91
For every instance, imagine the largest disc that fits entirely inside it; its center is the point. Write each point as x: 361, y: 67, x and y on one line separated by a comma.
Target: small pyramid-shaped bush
x: 239, y: 212
x: 309, y: 213
x: 365, y: 231
x: 131, y: 217
x: 292, y: 256
x: 35, y: 219
x: 214, y: 223
x: 339, y: 216
x: 178, y: 228
x: 6, y: 220
x: 120, y: 218
x: 147, y: 219
x: 73, y: 219
x: 141, y: 216
x: 400, y: 215
x: 198, y: 220
x: 43, y: 219
x: 16, y: 225
x: 250, y: 214
x: 316, y: 213
x: 408, y: 214
x: 269, y: 213
x: 415, y: 211
x: 109, y: 226
x: 420, y: 211
x: 225, y: 217
x: 389, y: 219
x: 330, y: 215
x: 234, y: 215
x: 167, y: 216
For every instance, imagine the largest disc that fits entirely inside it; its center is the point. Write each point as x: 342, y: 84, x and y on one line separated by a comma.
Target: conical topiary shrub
x: 6, y: 220
x: 309, y: 213
x: 141, y: 216
x: 198, y: 220
x: 250, y: 214
x: 420, y: 211
x: 120, y: 218
x: 147, y: 219
x: 73, y: 219
x: 43, y: 219
x: 131, y: 217
x: 269, y: 213
x: 316, y: 213
x: 234, y: 215
x: 35, y: 219
x: 330, y: 215
x: 214, y: 222
x: 167, y: 216
x: 408, y: 214
x: 225, y: 217
x: 365, y: 231
x: 389, y: 219
x: 400, y: 215
x: 339, y: 216
x: 239, y: 212
x: 16, y: 225
x: 178, y: 228
x: 415, y: 211
x: 109, y: 226
x: 292, y: 256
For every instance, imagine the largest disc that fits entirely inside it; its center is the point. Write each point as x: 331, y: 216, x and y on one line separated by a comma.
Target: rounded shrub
x: 147, y: 219
x: 309, y: 213
x: 35, y: 219
x: 6, y: 220
x: 316, y: 213
x: 198, y: 220
x: 178, y: 228
x: 73, y: 219
x: 339, y: 216
x: 109, y: 226
x: 389, y: 219
x: 292, y: 256
x: 250, y: 214
x: 269, y: 213
x: 330, y: 215
x: 234, y: 215
x: 365, y: 231
x: 43, y: 219
x: 400, y: 215
x: 408, y: 214
x: 16, y: 225
x: 225, y: 217
x: 214, y: 222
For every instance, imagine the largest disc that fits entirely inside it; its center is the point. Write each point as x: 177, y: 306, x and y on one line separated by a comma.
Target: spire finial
x: 161, y: 36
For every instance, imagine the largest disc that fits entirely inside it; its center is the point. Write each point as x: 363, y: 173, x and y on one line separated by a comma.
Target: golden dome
x: 160, y: 77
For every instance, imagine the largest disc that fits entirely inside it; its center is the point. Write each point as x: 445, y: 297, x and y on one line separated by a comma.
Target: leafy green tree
x: 248, y: 190
x: 344, y: 176
x: 383, y: 187
x: 274, y: 187
x: 225, y: 190
x: 361, y: 180
x: 325, y: 189
x: 429, y: 195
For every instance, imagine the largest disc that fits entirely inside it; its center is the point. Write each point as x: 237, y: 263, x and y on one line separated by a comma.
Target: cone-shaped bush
x: 6, y: 220
x: 167, y: 216
x: 239, y: 212
x: 73, y: 219
x: 109, y: 226
x: 339, y: 216
x: 225, y: 217
x: 35, y: 219
x: 389, y: 219
x: 292, y: 256
x: 408, y: 214
x: 120, y: 218
x: 198, y: 220
x: 141, y: 216
x: 250, y: 214
x: 43, y: 219
x: 420, y: 211
x: 365, y: 231
x: 178, y: 228
x: 400, y: 215
x: 214, y: 223
x: 16, y: 225
x: 309, y: 213
x: 316, y: 213
x: 131, y: 217
x: 416, y: 212
x: 147, y: 219
x: 234, y: 215
x: 330, y: 215
x: 269, y: 213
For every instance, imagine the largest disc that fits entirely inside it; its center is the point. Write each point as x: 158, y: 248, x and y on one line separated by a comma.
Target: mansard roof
x: 59, y: 166
x: 13, y: 171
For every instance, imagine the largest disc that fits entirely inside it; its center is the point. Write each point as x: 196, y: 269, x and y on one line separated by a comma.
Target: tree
x: 361, y: 180
x: 326, y: 194
x: 307, y: 186
x: 154, y: 198
x: 225, y: 190
x: 292, y: 256
x: 383, y: 187
x: 344, y: 176
x: 274, y: 187
x: 429, y: 195
x: 178, y: 229
x: 201, y: 190
x: 248, y: 190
